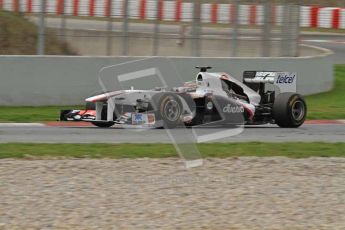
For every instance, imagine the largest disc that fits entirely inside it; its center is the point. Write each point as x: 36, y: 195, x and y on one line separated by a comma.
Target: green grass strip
x: 33, y: 113
x: 219, y: 150
x: 329, y: 105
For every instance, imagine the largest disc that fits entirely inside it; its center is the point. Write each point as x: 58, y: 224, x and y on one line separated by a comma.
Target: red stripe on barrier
x: 335, y: 18
x: 160, y: 9
x: 314, y: 16
x: 29, y: 6
x: 252, y: 15
x: 92, y: 8
x: 214, y: 13
x: 1, y: 4
x: 274, y: 14
x: 75, y: 7
x: 142, y: 9
x: 59, y: 7
x: 178, y: 10
x: 15, y: 5
x: 233, y: 13
x: 107, y: 8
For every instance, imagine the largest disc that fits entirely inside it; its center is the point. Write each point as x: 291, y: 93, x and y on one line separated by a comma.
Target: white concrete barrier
x: 67, y: 80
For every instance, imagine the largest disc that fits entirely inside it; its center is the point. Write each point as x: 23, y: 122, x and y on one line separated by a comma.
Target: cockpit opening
x: 232, y: 89
x: 199, y: 77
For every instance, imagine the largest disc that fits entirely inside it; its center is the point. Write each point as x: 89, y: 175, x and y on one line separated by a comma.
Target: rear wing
x: 285, y: 81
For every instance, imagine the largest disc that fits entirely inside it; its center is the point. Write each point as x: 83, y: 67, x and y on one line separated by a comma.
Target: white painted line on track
x: 325, y: 41
x: 21, y: 125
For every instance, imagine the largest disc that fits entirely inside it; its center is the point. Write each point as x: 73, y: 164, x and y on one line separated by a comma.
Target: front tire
x: 289, y: 110
x: 169, y: 109
x: 103, y: 124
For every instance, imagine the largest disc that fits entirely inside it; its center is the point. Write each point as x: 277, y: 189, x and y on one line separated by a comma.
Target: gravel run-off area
x: 234, y: 193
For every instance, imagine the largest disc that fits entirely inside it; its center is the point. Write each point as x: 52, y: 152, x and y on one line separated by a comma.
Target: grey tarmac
x: 268, y: 133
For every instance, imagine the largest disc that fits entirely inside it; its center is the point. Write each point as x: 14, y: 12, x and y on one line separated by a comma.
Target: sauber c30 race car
x: 212, y: 98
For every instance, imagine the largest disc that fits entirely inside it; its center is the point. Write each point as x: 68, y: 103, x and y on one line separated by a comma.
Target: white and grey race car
x: 211, y: 99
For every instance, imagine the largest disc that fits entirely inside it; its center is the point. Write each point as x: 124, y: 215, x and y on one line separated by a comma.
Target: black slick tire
x: 289, y: 110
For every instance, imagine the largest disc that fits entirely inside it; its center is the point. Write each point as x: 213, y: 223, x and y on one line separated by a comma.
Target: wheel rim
x: 172, y: 110
x: 298, y: 110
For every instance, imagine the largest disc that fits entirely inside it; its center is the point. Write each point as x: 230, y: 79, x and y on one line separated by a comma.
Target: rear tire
x: 289, y: 110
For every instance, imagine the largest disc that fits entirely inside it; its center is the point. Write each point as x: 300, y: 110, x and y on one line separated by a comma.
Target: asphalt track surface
x: 268, y: 133
x: 333, y: 42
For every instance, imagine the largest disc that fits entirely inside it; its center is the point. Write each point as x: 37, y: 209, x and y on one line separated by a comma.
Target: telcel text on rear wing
x: 285, y: 81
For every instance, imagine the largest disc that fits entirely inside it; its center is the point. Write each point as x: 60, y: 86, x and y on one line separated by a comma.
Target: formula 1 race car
x: 212, y: 98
